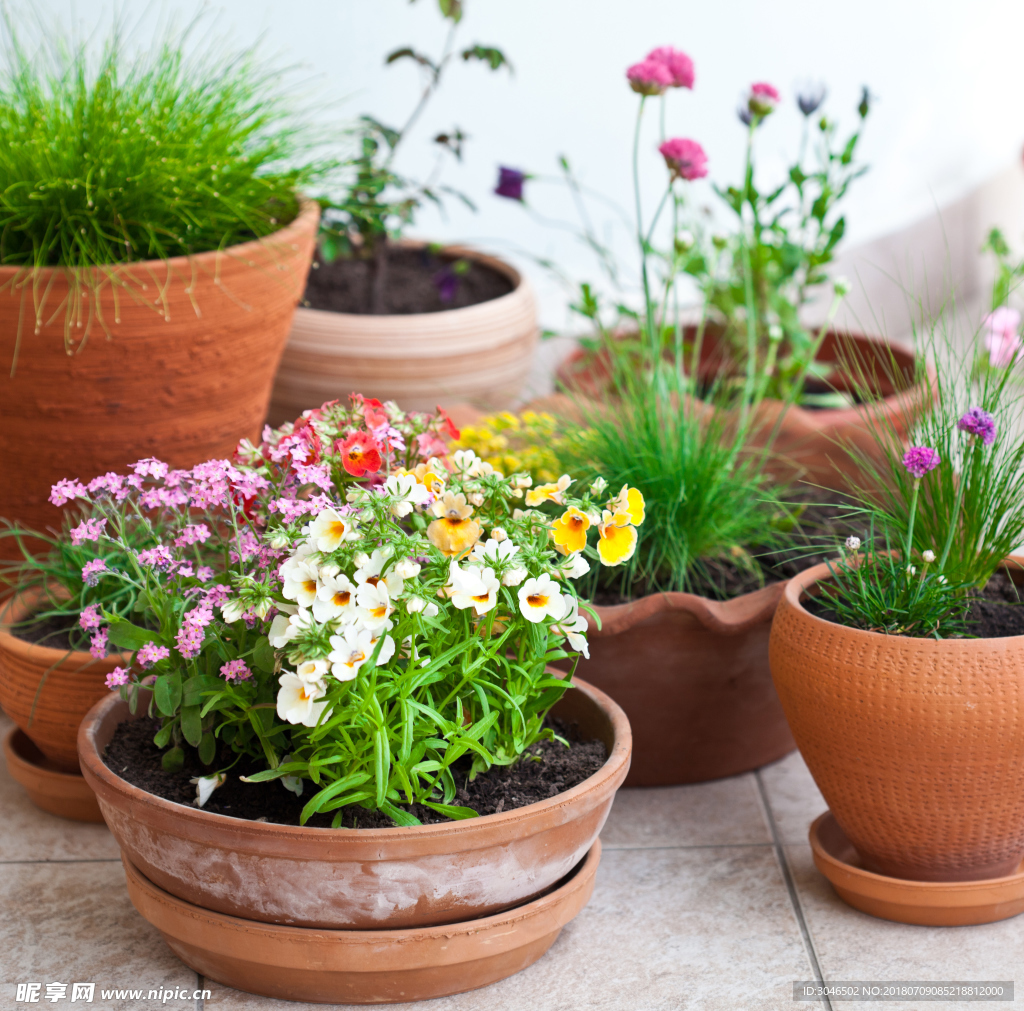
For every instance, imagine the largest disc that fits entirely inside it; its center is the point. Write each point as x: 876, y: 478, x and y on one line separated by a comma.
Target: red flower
x: 373, y: 410
x: 448, y: 424
x: 359, y: 453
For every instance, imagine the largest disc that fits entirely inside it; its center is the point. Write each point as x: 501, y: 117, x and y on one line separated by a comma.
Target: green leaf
x: 452, y: 810
x: 398, y: 816
x: 167, y: 693
x: 173, y: 760
x: 263, y: 655
x: 328, y: 792
x: 450, y: 9
x: 495, y: 58
x: 207, y: 748
x: 408, y: 53
x: 191, y: 725
x: 163, y: 735
x: 194, y: 687
x: 125, y: 635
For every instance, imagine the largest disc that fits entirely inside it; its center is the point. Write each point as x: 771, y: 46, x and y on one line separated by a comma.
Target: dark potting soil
x: 996, y: 612
x: 548, y: 768
x: 414, y: 281
x: 54, y: 633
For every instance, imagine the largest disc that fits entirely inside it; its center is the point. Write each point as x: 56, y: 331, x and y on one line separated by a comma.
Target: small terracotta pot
x: 46, y: 691
x: 361, y: 879
x: 184, y: 375
x: 917, y: 745
x: 692, y: 676
x: 480, y: 353
x: 809, y: 444
x: 363, y: 966
x: 66, y: 794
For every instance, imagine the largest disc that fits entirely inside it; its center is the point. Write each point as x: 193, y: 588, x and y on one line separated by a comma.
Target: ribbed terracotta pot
x: 480, y: 353
x: 692, y: 676
x: 46, y: 691
x: 917, y: 745
x: 808, y: 444
x: 361, y: 879
x: 183, y: 376
x: 65, y: 794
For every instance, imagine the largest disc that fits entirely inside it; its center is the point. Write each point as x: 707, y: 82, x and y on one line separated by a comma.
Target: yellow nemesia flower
x: 618, y: 540
x: 549, y: 492
x: 453, y: 533
x: 569, y: 531
x: 631, y: 502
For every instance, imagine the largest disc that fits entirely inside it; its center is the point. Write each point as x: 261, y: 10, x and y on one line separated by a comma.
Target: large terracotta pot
x: 917, y: 745
x: 46, y: 691
x: 184, y: 383
x: 365, y: 878
x: 480, y: 353
x: 692, y: 676
x: 808, y: 444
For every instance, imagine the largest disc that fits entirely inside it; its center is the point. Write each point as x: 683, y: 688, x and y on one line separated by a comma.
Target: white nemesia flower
x: 312, y: 671
x: 279, y: 539
x: 335, y: 598
x: 232, y: 609
x: 280, y: 636
x: 291, y: 783
x: 476, y: 498
x: 416, y: 604
x: 353, y: 648
x: 540, y: 598
x: 573, y: 566
x: 407, y: 491
x: 928, y: 556
x: 297, y: 700
x: 500, y: 553
x: 374, y: 603
x: 522, y: 481
x: 572, y: 626
x: 853, y: 543
x: 499, y: 534
x: 473, y: 587
x: 406, y: 568
x: 300, y: 582
x: 598, y: 487
x: 372, y: 565
x: 329, y: 529
x: 205, y: 785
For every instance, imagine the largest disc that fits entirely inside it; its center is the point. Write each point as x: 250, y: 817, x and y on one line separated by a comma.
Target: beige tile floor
x: 706, y: 898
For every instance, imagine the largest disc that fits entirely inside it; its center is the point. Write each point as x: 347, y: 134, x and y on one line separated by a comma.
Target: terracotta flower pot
x: 479, y: 353
x: 360, y: 879
x: 808, y: 443
x: 692, y: 676
x: 184, y: 383
x: 46, y: 691
x: 363, y: 966
x: 65, y: 794
x: 917, y: 745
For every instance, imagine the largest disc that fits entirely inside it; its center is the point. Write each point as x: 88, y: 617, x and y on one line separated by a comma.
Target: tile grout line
x: 609, y: 847
x: 787, y: 876
x: 200, y: 985
x: 68, y: 860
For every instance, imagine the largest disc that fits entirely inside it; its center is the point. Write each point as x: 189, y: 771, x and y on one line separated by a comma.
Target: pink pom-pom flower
x: 762, y: 99
x: 679, y: 65
x: 685, y: 158
x: 650, y: 77
x: 1002, y: 338
x: 919, y: 460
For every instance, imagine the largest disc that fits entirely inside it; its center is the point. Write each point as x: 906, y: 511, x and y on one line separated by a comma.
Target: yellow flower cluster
x: 616, y: 526
x: 526, y: 443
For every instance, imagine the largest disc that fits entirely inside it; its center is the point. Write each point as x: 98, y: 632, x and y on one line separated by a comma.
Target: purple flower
x: 810, y: 97
x: 921, y: 459
x: 447, y: 283
x: 510, y: 183
x: 979, y: 423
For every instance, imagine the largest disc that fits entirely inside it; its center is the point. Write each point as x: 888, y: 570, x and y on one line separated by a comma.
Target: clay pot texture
x: 917, y: 745
x: 692, y: 676
x: 362, y: 966
x: 480, y: 353
x: 183, y: 384
x: 62, y: 793
x: 74, y: 682
x: 808, y: 444
x: 361, y: 879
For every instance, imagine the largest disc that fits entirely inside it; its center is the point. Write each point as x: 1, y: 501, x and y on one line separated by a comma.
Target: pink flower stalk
x: 194, y: 533
x: 1002, y: 340
x: 109, y: 482
x: 151, y: 467
x: 87, y: 530
x: 98, y: 644
x: 430, y: 445
x: 92, y: 571
x: 650, y: 77
x: 979, y: 424
x: 235, y: 670
x: 157, y: 558
x: 205, y: 573
x: 762, y: 99
x: 65, y: 490
x: 679, y: 65
x: 685, y: 158
x: 151, y: 653
x: 118, y: 676
x: 919, y: 460
x: 183, y: 570
x: 216, y: 595
x: 90, y: 617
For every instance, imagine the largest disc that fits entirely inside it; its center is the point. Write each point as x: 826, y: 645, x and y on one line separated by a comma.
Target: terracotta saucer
x: 362, y: 966
x: 927, y: 903
x: 62, y: 793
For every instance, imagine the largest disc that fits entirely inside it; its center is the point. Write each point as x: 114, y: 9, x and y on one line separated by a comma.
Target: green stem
x: 748, y: 282
x: 648, y: 320
x: 954, y: 521
x: 910, y: 524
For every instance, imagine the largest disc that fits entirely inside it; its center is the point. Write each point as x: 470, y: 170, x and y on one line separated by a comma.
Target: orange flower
x: 569, y: 531
x: 453, y: 532
x: 549, y: 492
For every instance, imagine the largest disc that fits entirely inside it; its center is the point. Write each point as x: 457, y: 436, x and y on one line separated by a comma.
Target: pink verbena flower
x: 118, y: 676
x: 189, y: 639
x: 92, y: 571
x: 217, y: 594
x: 90, y: 617
x: 194, y: 533
x: 762, y: 99
x: 685, y: 158
x: 318, y: 474
x: 919, y: 460
x: 679, y: 65
x: 979, y: 423
x: 151, y: 467
x: 290, y: 509
x: 65, y: 490
x: 649, y: 77
x: 205, y: 573
x: 430, y: 445
x: 151, y: 653
x: 183, y: 570
x: 98, y: 644
x: 157, y: 558
x: 1002, y: 339
x: 87, y: 530
x: 235, y: 670
x: 109, y: 482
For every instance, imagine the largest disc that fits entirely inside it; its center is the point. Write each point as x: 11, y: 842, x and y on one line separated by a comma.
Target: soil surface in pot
x: 415, y: 280
x: 997, y: 612
x: 54, y: 633
x: 826, y: 521
x: 132, y: 755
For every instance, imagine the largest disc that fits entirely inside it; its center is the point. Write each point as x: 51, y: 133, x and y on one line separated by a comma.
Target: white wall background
x: 947, y: 75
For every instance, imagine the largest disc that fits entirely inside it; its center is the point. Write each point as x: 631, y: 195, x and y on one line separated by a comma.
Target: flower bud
x: 853, y: 543
x: 841, y: 286
x: 928, y: 556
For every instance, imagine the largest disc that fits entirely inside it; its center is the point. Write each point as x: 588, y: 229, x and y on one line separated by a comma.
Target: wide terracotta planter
x: 479, y: 354
x: 692, y: 676
x: 184, y: 374
x: 65, y: 794
x: 812, y: 445
x: 46, y: 691
x: 363, y: 966
x: 917, y: 745
x: 361, y: 879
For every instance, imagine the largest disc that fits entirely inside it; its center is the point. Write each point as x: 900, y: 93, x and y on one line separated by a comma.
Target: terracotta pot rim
x: 519, y: 285
x: 793, y: 591
x: 307, y: 209
x: 727, y: 617
x: 93, y: 766
x: 13, y: 747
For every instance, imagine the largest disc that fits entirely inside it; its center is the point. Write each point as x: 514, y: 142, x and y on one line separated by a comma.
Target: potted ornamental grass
x: 899, y: 663
x: 756, y: 272
x: 341, y: 767
x: 403, y: 319
x: 155, y: 243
